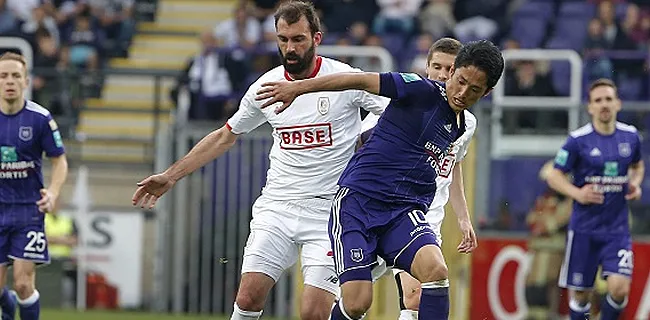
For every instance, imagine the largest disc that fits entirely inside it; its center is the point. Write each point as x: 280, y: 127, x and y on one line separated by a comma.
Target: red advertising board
x: 499, y: 268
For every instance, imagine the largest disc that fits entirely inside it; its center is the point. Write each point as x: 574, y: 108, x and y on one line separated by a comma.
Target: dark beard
x: 302, y: 64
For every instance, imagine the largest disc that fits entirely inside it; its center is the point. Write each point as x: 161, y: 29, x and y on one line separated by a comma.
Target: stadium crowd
x: 612, y: 37
x: 68, y: 35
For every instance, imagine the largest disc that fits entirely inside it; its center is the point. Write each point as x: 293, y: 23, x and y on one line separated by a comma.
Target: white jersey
x: 314, y: 139
x: 459, y: 149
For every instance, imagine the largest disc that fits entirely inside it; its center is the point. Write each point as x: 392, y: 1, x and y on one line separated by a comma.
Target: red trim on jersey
x: 228, y: 127
x: 319, y: 62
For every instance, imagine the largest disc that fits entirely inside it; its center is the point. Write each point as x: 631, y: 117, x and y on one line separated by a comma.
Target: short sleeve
x: 466, y: 138
x: 637, y: 155
x: 567, y: 156
x: 409, y: 87
x: 248, y: 117
x: 51, y: 140
x: 372, y: 103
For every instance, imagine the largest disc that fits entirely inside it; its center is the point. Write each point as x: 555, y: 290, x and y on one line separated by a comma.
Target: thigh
x: 353, y: 244
x: 581, y: 260
x: 617, y: 256
x: 28, y: 243
x: 402, y: 238
x: 270, y: 248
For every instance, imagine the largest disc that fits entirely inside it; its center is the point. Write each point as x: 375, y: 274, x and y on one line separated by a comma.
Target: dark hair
x: 445, y: 45
x: 602, y: 82
x: 291, y: 11
x: 484, y: 55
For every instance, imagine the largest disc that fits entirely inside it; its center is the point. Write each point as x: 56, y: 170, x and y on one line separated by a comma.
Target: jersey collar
x: 319, y: 61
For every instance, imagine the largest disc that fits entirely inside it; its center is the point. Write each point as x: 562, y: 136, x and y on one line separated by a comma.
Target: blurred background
x: 133, y: 84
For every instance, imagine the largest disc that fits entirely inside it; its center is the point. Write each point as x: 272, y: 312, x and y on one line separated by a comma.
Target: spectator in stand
x: 419, y: 60
x: 369, y: 64
x: 8, y: 20
x: 597, y: 64
x: 339, y: 15
x: 40, y: 20
x: 437, y: 18
x: 117, y: 19
x: 83, y: 45
x: 241, y: 31
x: 261, y: 9
x: 396, y: 16
x: 358, y: 33
x: 45, y: 61
x: 23, y: 8
x: 208, y: 82
x: 64, y: 11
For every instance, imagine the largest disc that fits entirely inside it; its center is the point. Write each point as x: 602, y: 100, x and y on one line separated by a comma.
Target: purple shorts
x: 22, y: 234
x: 362, y: 228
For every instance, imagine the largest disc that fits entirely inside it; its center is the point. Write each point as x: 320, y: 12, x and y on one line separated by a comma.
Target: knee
x: 356, y: 308
x: 582, y: 297
x: 249, y: 301
x: 358, y: 304
x: 619, y: 292
x: 435, y: 273
x: 24, y: 286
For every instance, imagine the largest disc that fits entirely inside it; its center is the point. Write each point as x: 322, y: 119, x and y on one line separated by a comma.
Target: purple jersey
x: 604, y: 161
x: 399, y: 162
x: 24, y: 137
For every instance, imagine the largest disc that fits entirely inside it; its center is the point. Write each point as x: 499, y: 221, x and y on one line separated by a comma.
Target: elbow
x: 225, y: 137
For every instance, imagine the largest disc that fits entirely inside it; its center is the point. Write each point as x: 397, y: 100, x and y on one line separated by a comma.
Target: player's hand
x: 150, y: 189
x: 469, y: 242
x: 590, y: 195
x: 46, y: 204
x: 282, y: 91
x: 633, y: 192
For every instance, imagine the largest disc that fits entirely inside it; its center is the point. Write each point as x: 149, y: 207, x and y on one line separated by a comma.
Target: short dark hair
x: 291, y: 11
x: 484, y: 55
x: 445, y: 45
x: 602, y: 82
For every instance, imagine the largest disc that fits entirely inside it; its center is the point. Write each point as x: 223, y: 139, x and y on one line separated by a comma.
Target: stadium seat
x: 629, y: 88
x: 579, y: 10
x: 529, y: 31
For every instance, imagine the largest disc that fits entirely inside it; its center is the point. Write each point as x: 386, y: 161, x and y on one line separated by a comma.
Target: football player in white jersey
x: 311, y: 147
x: 449, y: 184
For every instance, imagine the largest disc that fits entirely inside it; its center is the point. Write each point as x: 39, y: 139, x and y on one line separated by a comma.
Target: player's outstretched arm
x: 587, y: 194
x: 459, y: 204
x: 59, y: 174
x: 285, y: 92
x: 209, y: 148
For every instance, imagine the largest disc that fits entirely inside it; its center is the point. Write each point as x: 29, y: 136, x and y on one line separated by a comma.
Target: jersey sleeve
x: 51, y: 140
x: 637, y: 154
x: 567, y: 156
x: 248, y: 117
x: 466, y: 138
x: 403, y: 86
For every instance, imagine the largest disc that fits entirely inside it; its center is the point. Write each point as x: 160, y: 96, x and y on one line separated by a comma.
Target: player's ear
x: 318, y: 37
x: 487, y: 92
x: 452, y: 70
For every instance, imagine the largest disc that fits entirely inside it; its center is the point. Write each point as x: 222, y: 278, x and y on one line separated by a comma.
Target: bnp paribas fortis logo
x: 8, y: 154
x: 611, y: 169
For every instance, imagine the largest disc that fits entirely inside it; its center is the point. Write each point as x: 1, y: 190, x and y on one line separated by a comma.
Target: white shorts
x: 281, y: 230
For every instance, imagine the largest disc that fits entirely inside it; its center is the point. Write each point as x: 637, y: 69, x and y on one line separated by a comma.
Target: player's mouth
x: 458, y: 102
x: 10, y: 91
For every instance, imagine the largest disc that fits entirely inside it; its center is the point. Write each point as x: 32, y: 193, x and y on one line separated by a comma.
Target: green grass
x: 112, y: 315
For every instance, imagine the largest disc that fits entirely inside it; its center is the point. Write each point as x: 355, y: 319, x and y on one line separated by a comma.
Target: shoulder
x: 329, y: 65
x: 627, y: 128
x: 37, y: 109
x: 581, y: 132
